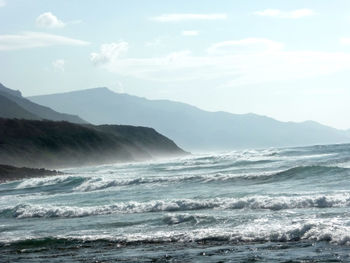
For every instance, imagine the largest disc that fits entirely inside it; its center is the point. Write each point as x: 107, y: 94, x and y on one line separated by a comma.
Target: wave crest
x: 255, y: 202
x: 326, y: 230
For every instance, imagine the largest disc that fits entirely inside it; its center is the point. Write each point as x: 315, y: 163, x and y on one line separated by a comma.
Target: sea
x: 256, y: 205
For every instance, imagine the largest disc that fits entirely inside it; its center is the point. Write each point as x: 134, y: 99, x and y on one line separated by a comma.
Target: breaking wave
x: 255, y: 202
x: 255, y: 197
x: 300, y: 172
x: 304, y: 230
x: 51, y: 181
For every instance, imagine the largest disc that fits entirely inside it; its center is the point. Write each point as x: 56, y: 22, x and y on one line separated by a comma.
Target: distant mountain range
x: 190, y: 127
x: 52, y: 144
x: 13, y: 105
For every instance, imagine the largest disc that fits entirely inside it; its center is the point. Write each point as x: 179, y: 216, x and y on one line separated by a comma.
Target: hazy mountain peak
x: 97, y: 89
x: 16, y: 93
x: 91, y: 90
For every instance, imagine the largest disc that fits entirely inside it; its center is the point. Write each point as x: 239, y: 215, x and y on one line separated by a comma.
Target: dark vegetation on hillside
x: 50, y: 144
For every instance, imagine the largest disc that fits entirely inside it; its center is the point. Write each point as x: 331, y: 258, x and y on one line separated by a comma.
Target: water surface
x: 268, y: 205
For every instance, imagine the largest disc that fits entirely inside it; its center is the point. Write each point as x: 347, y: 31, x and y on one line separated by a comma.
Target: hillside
x: 52, y: 144
x: 10, y: 109
x: 191, y: 127
x: 22, y: 108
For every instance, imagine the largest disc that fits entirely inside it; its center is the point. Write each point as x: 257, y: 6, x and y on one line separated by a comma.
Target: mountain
x: 191, y: 127
x: 13, y: 105
x: 51, y: 144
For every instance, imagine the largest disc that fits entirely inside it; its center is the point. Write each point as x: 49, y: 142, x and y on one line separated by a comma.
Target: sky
x: 289, y: 60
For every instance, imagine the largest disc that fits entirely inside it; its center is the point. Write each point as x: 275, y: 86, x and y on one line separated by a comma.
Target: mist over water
x: 267, y: 205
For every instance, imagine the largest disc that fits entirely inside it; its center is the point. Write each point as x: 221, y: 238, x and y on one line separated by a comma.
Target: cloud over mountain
x: 109, y: 52
x: 233, y: 62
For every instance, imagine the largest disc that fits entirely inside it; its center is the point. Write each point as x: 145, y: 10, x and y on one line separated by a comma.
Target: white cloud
x: 34, y: 40
x: 266, y: 62
x: 2, y: 3
x: 58, y: 65
x: 109, y: 52
x: 245, y: 45
x: 295, y: 14
x: 186, y: 17
x: 190, y: 33
x: 49, y: 20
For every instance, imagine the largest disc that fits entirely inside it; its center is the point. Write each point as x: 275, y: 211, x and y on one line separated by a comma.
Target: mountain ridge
x: 27, y: 109
x: 181, y: 103
x: 10, y: 109
x: 191, y: 127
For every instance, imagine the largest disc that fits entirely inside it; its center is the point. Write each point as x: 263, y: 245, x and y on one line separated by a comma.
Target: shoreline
x: 11, y: 173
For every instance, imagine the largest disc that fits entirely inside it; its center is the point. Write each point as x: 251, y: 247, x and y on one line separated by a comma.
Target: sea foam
x: 253, y: 203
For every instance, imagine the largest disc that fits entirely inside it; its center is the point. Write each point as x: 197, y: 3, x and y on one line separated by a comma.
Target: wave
x: 175, y: 219
x: 299, y: 172
x: 51, y: 181
x: 254, y: 203
x: 302, y: 172
x: 325, y: 230
x: 215, y: 165
x: 94, y: 184
x: 88, y: 183
x: 85, y: 183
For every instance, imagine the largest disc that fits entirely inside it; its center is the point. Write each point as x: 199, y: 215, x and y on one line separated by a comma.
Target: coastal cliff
x: 50, y: 144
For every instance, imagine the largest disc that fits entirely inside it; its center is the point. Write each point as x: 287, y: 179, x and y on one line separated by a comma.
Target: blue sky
x: 289, y: 60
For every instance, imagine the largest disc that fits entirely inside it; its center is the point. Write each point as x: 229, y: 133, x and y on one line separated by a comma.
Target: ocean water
x: 266, y: 205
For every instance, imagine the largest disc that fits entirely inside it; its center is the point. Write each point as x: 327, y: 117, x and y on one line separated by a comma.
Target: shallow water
x: 269, y: 205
